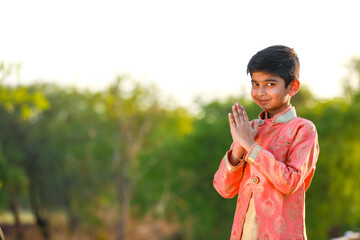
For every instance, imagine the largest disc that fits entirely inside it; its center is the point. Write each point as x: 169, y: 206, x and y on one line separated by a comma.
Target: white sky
x: 186, y: 47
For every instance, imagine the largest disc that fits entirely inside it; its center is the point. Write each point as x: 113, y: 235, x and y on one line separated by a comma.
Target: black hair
x: 278, y: 60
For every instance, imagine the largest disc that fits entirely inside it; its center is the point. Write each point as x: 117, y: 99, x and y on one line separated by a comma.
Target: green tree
x: 17, y: 106
x: 333, y: 197
x: 69, y: 151
x: 184, y: 165
x: 133, y: 113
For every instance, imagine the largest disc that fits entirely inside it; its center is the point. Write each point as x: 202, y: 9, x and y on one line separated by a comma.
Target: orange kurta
x: 277, y: 170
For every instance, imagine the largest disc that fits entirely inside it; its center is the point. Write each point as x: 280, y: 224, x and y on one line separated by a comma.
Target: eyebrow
x: 267, y: 80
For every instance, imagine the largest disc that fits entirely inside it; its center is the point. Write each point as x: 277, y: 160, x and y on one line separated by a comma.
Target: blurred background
x: 113, y: 114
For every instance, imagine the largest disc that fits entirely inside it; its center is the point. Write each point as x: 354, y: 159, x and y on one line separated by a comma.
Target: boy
x: 272, y: 160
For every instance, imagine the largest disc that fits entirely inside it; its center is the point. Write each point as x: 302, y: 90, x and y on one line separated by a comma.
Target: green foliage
x: 12, y: 179
x: 28, y: 104
x: 18, y: 106
x: 70, y: 150
x: 181, y: 178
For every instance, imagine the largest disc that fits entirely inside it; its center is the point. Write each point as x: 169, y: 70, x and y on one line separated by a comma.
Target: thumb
x: 256, y: 125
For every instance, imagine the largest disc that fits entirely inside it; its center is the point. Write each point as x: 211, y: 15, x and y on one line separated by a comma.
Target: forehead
x: 265, y: 77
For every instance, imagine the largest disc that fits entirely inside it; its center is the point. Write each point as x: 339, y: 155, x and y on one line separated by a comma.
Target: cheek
x: 278, y: 94
x: 275, y: 92
x: 253, y: 92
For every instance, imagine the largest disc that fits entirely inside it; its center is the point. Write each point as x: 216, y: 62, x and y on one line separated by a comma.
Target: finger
x: 246, y: 118
x: 241, y: 114
x: 231, y: 120
x: 235, y: 115
x: 238, y: 110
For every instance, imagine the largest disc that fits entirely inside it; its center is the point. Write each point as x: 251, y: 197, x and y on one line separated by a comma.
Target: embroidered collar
x: 284, y: 116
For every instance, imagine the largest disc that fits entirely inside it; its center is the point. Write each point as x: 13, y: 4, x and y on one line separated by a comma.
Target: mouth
x: 262, y: 101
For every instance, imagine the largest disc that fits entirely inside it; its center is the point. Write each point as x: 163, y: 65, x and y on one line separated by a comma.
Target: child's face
x: 269, y: 93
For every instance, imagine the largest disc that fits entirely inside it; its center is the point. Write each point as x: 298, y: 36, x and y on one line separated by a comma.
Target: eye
x: 270, y: 84
x: 255, y: 84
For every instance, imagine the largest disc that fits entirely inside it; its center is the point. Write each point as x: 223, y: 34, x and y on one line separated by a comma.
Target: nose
x: 262, y: 91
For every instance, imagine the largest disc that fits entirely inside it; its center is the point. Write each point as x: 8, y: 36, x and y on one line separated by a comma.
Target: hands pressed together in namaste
x: 242, y: 132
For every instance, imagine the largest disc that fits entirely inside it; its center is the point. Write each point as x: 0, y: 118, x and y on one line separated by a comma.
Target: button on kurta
x: 255, y: 180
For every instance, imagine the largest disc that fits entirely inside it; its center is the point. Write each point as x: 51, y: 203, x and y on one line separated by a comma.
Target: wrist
x: 237, y: 153
x: 248, y: 145
x: 235, y: 157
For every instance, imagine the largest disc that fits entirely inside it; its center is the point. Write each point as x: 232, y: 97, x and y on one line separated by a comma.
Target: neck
x: 271, y: 114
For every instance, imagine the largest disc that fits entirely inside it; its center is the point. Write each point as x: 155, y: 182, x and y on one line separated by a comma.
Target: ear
x: 294, y: 87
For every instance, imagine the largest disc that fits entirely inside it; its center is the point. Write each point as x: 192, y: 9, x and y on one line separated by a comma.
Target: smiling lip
x: 263, y: 101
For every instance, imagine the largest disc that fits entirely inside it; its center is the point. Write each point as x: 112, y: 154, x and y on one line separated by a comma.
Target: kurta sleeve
x: 227, y: 178
x: 299, y: 166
